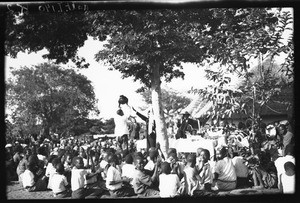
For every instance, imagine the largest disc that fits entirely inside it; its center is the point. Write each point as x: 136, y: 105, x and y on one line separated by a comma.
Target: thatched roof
x: 198, y: 107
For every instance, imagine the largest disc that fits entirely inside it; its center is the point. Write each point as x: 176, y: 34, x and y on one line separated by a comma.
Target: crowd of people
x: 260, y: 157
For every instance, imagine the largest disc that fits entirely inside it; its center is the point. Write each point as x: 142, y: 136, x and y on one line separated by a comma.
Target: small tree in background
x: 49, y: 95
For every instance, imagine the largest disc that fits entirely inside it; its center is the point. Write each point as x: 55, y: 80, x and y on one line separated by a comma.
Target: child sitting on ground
x: 264, y: 174
x: 79, y: 176
x: 128, y: 169
x: 118, y: 186
x: 59, y: 183
x: 168, y: 183
x: 143, y: 183
x: 176, y: 166
x: 224, y: 171
x: 51, y: 170
x: 23, y: 163
x: 205, y: 170
x: 68, y: 166
x: 241, y: 169
x: 30, y: 179
x: 288, y: 179
x: 191, y: 176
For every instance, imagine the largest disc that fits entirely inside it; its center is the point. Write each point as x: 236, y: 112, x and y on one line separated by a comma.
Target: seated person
x: 128, y: 169
x: 79, y: 177
x: 224, y: 171
x: 191, y: 176
x: 168, y: 183
x: 60, y: 185
x: 264, y: 174
x: 176, y: 166
x: 288, y: 179
x: 143, y: 183
x: 117, y: 186
x: 31, y: 179
x: 205, y: 170
x: 242, y: 171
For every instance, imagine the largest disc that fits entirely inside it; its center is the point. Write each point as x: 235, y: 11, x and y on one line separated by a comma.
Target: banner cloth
x: 187, y: 145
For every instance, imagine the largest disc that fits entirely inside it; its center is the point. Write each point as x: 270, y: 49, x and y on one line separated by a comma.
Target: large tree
x: 148, y: 45
x: 49, y: 95
x: 151, y: 45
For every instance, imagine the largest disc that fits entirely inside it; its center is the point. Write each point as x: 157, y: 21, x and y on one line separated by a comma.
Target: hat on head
x: 284, y: 122
x: 186, y: 113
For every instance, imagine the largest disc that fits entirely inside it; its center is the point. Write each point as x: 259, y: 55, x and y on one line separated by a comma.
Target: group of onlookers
x: 90, y: 169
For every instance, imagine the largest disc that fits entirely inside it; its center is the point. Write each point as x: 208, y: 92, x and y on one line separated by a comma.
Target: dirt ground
x: 14, y: 190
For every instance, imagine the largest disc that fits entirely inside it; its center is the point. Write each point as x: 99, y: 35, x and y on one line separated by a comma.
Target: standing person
x: 121, y: 122
x: 150, y: 128
x: 286, y: 137
x: 134, y: 130
x: 184, y: 127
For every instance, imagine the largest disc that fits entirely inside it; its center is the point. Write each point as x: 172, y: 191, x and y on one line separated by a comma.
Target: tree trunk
x: 161, y: 130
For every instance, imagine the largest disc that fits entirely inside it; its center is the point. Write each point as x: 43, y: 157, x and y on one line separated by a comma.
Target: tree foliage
x: 138, y: 38
x: 244, y: 36
x: 149, y: 45
x: 172, y: 101
x: 60, y: 35
x: 49, y: 95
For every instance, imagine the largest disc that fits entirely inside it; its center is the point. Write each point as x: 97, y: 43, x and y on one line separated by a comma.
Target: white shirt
x: 168, y: 185
x: 241, y: 169
x: 128, y: 170
x: 150, y: 165
x: 78, y: 178
x: 288, y: 183
x: 121, y: 127
x: 225, y: 169
x: 279, y: 164
x: 27, y: 178
x: 50, y: 170
x: 103, y: 163
x: 59, y: 183
x: 208, y: 175
x: 42, y: 158
x: 127, y: 110
x: 113, y: 174
x: 280, y: 161
x: 191, y: 180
